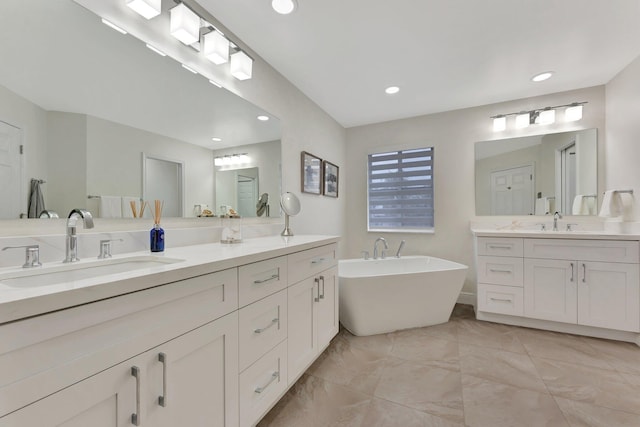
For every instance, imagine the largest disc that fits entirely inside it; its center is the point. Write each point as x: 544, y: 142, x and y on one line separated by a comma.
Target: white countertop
x: 549, y: 234
x: 20, y: 302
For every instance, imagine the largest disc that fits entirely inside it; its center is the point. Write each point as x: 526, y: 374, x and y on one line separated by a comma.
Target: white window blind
x: 400, y: 190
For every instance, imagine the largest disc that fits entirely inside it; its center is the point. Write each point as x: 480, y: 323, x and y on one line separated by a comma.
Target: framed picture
x: 311, y: 173
x: 331, y: 175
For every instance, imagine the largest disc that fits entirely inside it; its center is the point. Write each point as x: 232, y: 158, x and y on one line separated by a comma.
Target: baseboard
x: 467, y: 298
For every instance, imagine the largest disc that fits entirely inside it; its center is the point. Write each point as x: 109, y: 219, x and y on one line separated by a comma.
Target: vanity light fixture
x: 284, y: 7
x: 185, y: 24
x: 113, y: 26
x: 241, y: 65
x: 231, y: 159
x: 263, y: 118
x: 146, y: 8
x: 539, y: 116
x: 542, y: 76
x: 156, y: 50
x: 392, y: 90
x: 216, y: 47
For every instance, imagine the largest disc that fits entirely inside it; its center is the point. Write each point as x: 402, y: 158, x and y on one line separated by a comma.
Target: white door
x: 512, y: 191
x: 247, y: 195
x: 608, y: 295
x: 11, y: 190
x: 163, y: 180
x: 569, y: 177
x: 550, y: 289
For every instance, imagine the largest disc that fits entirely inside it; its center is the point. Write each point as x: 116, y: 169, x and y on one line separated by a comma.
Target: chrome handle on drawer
x: 273, y: 277
x: 494, y: 270
x: 261, y: 330
x: 501, y: 299
x: 274, y: 376
x: 162, y: 400
x: 571, y: 280
x: 499, y: 246
x: 317, y: 282
x: 318, y: 261
x: 584, y: 273
x: 136, y: 417
x: 322, y: 295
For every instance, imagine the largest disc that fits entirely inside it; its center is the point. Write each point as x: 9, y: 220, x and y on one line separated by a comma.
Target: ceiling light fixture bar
x: 542, y: 116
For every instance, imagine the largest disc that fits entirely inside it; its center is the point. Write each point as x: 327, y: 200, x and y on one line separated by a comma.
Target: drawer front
x: 584, y: 250
x: 35, y: 352
x: 263, y: 324
x: 311, y: 262
x: 500, y: 246
x: 260, y: 279
x: 501, y: 299
x: 500, y: 270
x: 262, y: 384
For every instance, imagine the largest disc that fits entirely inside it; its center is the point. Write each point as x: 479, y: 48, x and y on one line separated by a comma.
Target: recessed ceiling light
x: 542, y: 76
x: 284, y: 7
x: 263, y: 118
x: 392, y: 89
x: 114, y: 26
x: 216, y: 139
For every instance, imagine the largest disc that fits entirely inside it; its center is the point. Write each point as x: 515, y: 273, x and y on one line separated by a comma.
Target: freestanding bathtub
x: 385, y: 295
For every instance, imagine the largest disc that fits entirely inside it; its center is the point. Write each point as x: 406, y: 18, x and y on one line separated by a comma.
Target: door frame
x: 181, y: 163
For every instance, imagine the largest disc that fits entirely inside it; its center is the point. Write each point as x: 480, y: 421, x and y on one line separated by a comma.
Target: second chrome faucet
x: 72, y: 239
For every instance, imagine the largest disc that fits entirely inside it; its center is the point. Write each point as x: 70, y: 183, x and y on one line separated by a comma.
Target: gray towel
x: 36, y: 200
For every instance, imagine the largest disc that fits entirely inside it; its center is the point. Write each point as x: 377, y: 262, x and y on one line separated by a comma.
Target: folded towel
x: 580, y: 205
x: 616, y: 204
x: 109, y: 207
x: 626, y: 202
x: 545, y: 206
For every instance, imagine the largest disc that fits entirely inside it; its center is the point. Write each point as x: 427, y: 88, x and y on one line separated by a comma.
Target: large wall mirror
x: 538, y: 175
x: 85, y: 105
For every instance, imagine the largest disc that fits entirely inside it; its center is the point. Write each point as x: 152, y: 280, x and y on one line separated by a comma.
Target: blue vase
x: 156, y: 238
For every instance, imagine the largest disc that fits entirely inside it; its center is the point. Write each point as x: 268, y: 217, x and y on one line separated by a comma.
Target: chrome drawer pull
x: 571, y: 279
x: 584, y: 273
x: 274, y: 376
x: 274, y: 277
x: 318, y: 261
x: 261, y: 330
x: 162, y: 400
x: 136, y: 417
x: 322, y: 295
x: 493, y: 270
x: 500, y: 246
x: 317, y: 281
x: 501, y: 299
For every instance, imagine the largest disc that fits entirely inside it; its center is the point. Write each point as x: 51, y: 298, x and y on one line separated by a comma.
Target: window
x: 400, y: 191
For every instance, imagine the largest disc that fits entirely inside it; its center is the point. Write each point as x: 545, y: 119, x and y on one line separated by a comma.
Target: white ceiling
x: 443, y: 54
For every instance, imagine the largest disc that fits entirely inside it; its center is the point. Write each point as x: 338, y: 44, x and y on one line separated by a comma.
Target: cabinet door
x: 193, y: 379
x: 107, y: 399
x: 302, y: 327
x: 608, y: 295
x: 328, y: 307
x: 550, y: 289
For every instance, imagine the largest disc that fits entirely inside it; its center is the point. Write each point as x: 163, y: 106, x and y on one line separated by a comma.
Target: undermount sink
x: 64, y: 273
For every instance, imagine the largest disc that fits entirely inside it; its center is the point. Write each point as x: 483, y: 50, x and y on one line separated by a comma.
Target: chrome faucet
x: 556, y: 217
x: 375, y: 247
x: 400, y: 249
x: 72, y: 239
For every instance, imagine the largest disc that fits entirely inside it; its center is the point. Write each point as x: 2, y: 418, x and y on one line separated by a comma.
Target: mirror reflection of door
x: 569, y: 177
x: 10, y: 171
x: 163, y: 180
x: 512, y: 191
x: 247, y: 195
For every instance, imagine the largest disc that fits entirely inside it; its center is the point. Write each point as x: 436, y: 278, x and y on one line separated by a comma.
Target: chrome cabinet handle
x: 501, y: 299
x: 162, y: 400
x: 136, y: 417
x: 317, y: 281
x: 584, y: 273
x: 274, y: 376
x: 500, y: 246
x: 322, y: 296
x: 273, y: 277
x: 493, y: 270
x: 571, y: 280
x: 261, y: 330
x: 318, y: 261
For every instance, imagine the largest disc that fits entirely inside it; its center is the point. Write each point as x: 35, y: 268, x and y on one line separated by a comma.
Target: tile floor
x: 466, y: 373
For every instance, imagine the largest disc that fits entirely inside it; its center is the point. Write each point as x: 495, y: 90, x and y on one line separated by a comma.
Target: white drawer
x: 262, y: 385
x: 311, y: 262
x: 500, y: 246
x: 584, y: 250
x: 501, y: 299
x: 500, y: 270
x: 257, y: 280
x: 35, y: 353
x: 262, y: 325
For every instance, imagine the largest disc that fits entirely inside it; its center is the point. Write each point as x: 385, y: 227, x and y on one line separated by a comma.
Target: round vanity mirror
x: 290, y: 206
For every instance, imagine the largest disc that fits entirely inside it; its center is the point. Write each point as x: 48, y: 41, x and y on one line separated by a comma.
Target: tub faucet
x: 375, y: 247
x: 556, y: 217
x: 400, y: 249
x: 72, y: 239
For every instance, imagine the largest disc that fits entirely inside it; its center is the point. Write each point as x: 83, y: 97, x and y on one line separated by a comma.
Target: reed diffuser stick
x: 132, y: 203
x: 143, y: 205
x: 157, y: 215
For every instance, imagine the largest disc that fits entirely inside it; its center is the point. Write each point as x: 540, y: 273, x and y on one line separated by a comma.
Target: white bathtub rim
x: 448, y: 266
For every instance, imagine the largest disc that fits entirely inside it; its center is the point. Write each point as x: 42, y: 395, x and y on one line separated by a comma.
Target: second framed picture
x: 331, y: 176
x: 311, y: 173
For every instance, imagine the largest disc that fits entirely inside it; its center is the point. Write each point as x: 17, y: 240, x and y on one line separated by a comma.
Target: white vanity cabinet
x: 313, y: 306
x: 585, y: 286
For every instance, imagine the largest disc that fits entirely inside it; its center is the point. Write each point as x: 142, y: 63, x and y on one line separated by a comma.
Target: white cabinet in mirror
x: 538, y: 175
x: 105, y: 99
